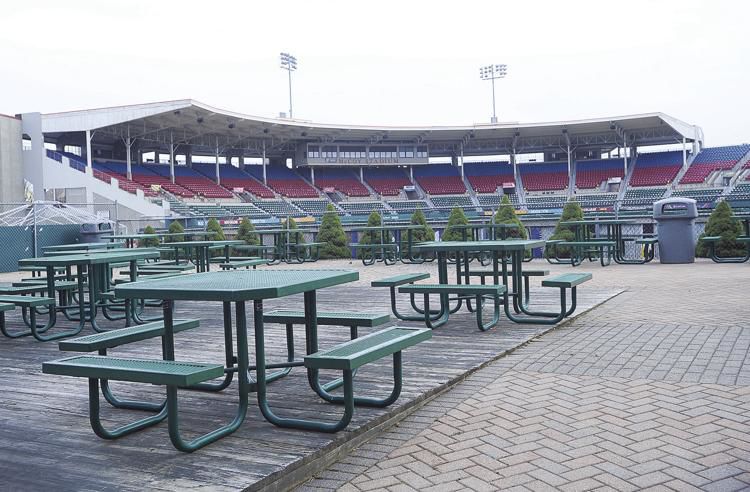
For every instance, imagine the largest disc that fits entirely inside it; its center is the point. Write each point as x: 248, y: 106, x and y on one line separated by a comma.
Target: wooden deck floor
x: 46, y: 442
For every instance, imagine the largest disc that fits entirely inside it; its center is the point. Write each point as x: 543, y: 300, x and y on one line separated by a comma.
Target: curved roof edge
x: 92, y: 119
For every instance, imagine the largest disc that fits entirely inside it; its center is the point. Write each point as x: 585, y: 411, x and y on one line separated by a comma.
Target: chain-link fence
x: 26, y: 229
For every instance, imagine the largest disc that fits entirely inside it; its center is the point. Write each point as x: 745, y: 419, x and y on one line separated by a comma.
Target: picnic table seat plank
x: 328, y: 318
x: 567, y: 280
x: 156, y: 371
x: 123, y: 336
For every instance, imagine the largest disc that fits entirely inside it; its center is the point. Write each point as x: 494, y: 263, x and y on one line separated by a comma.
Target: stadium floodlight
x: 492, y: 72
x: 289, y: 63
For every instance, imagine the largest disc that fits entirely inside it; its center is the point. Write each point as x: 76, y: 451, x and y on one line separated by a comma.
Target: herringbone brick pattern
x: 650, y: 391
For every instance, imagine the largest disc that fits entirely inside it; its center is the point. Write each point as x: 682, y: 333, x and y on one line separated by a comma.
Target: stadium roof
x: 193, y: 123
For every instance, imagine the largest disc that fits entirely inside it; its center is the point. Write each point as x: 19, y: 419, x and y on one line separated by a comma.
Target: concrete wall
x: 11, y: 160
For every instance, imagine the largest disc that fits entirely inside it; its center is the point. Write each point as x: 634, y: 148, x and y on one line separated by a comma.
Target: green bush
x: 456, y: 218
x: 214, y: 226
x: 175, y: 228
x: 572, y: 211
x: 506, y: 214
x: 332, y: 233
x: 371, y: 237
x: 721, y: 223
x: 426, y: 233
x: 149, y: 242
x: 246, y: 232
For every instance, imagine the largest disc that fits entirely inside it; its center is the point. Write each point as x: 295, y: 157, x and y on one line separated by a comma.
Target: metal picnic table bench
x: 605, y: 247
x: 238, y: 288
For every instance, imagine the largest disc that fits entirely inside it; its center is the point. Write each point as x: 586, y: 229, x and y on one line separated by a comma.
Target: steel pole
x: 289, y: 71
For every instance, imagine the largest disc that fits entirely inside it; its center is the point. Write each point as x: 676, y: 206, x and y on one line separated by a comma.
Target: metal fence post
x: 34, y: 236
x: 117, y: 218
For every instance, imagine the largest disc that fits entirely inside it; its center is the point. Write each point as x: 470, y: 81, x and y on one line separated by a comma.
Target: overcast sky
x: 384, y: 62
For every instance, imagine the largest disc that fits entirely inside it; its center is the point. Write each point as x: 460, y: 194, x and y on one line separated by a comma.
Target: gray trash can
x: 92, y: 233
x: 676, y: 220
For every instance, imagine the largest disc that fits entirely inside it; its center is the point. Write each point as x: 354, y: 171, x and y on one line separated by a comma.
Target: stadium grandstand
x: 187, y: 159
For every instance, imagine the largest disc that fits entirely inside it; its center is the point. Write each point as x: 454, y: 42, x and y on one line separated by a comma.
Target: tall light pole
x: 492, y: 72
x: 289, y: 63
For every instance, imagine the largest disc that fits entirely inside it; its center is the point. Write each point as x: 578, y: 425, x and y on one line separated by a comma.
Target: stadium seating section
x: 410, y: 206
x: 656, y: 169
x: 362, y: 207
x: 713, y: 159
x: 342, y: 180
x: 487, y: 177
x: 544, y: 177
x: 546, y: 201
x: 591, y: 173
x: 312, y: 206
x: 279, y: 208
x: 642, y: 197
x: 700, y: 195
x: 246, y: 210
x: 386, y: 181
x: 234, y: 177
x: 598, y: 200
x: 452, y: 201
x: 440, y: 179
x: 284, y: 181
x: 493, y: 201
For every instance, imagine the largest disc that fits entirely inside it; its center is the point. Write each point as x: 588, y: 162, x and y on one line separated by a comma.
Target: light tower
x: 289, y: 63
x: 492, y: 72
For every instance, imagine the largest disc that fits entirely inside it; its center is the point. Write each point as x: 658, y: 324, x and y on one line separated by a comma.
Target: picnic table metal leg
x: 172, y: 404
x: 228, y: 355
x: 38, y: 332
x: 311, y: 328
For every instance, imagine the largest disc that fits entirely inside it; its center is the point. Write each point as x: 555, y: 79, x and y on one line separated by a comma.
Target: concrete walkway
x: 649, y: 391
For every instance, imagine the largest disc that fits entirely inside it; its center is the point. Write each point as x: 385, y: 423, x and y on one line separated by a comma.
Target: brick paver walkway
x: 649, y: 391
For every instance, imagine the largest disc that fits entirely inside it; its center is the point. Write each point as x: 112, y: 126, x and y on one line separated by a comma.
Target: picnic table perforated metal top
x: 83, y: 246
x: 236, y: 285
x: 473, y: 246
x: 93, y: 257
x: 198, y: 244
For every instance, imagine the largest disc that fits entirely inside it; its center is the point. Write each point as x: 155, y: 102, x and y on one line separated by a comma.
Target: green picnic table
x: 93, y: 269
x: 238, y: 288
x: 390, y: 252
x: 83, y: 246
x: 202, y: 257
x: 509, y: 273
x: 590, y: 242
x: 288, y: 245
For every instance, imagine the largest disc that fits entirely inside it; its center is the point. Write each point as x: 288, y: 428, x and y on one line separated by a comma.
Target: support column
x: 171, y: 157
x: 684, y: 152
x: 411, y: 174
x: 216, y: 154
x: 570, y: 167
x: 462, y: 161
x: 89, y: 164
x: 362, y: 175
x: 128, y: 157
x: 265, y: 181
x: 515, y: 166
x: 625, y: 151
x: 312, y: 175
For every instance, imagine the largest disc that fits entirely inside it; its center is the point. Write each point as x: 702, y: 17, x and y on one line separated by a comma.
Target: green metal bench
x: 165, y: 266
x: 348, y: 357
x: 483, y: 275
x: 324, y: 318
x: 587, y: 248
x: 477, y: 291
x: 101, y: 342
x: 647, y: 240
x: 712, y: 240
x: 234, y: 264
x: 172, y: 374
x: 395, y: 281
x: 220, y: 259
x: 26, y: 303
x: 388, y: 250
